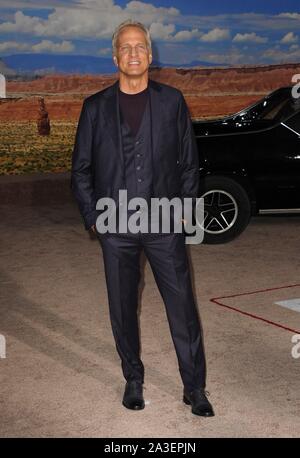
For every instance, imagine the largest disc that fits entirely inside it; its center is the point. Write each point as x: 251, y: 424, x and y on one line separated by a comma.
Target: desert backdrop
x: 223, y: 56
x: 209, y: 92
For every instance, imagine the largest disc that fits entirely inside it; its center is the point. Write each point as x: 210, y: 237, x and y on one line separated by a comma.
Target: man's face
x: 133, y: 56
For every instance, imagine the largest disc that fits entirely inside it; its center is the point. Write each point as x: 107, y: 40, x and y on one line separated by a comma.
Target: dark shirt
x: 132, y: 108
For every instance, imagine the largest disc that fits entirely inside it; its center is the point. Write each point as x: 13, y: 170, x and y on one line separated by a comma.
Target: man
x: 137, y: 135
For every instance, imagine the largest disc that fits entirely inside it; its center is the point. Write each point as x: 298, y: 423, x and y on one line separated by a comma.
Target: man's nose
x: 133, y: 51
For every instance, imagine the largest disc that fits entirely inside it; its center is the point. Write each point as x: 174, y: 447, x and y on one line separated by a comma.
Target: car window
x: 294, y: 122
x: 273, y: 113
x: 269, y: 109
x: 264, y: 110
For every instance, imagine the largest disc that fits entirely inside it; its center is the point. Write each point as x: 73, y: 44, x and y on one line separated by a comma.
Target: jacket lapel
x: 156, y: 106
x: 110, y: 113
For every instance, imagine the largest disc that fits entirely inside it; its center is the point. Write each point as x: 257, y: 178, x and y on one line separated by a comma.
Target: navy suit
x: 98, y: 160
x: 104, y: 159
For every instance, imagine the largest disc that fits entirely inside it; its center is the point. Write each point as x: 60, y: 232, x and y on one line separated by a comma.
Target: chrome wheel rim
x: 220, y: 211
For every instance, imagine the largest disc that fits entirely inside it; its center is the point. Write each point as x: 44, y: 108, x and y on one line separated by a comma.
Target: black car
x: 249, y: 163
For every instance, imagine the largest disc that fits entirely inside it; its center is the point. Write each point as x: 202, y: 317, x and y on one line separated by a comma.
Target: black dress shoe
x: 199, y: 402
x: 133, y: 395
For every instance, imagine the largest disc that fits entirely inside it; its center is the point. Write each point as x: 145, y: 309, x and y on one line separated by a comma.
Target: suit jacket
x: 98, y: 163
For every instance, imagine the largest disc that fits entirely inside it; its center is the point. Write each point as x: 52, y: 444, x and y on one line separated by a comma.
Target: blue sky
x: 214, y: 31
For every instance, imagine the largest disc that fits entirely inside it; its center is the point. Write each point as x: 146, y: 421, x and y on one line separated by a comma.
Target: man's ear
x: 150, y: 58
x: 115, y: 61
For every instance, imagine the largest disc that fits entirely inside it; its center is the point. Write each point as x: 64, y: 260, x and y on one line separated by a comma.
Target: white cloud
x: 248, y: 22
x: 65, y: 23
x: 290, y: 15
x: 160, y: 31
x: 150, y: 12
x: 105, y: 51
x: 216, y: 34
x: 49, y: 46
x: 98, y: 18
x: 90, y: 18
x: 277, y: 55
x: 289, y: 38
x: 233, y: 56
x: 13, y: 46
x: 44, y: 45
x: 22, y: 24
x: 249, y: 37
x: 187, y: 35
x: 268, y: 22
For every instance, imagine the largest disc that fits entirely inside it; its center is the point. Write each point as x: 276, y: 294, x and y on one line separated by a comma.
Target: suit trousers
x: 168, y: 259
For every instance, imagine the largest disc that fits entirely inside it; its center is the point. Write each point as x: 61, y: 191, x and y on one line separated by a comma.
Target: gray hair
x: 129, y: 23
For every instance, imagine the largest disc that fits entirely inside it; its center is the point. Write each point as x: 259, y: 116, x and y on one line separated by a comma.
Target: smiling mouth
x: 134, y: 62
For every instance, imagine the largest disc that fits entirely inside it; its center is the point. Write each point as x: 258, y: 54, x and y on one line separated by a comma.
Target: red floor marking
x: 256, y: 317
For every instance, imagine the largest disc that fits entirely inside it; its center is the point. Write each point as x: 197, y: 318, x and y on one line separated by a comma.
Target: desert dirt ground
x: 61, y: 376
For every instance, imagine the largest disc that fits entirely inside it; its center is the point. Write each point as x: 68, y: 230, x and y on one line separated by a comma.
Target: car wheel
x: 227, y: 209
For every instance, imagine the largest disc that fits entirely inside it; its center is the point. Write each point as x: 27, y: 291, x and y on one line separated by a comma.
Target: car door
x: 272, y: 159
x: 291, y: 159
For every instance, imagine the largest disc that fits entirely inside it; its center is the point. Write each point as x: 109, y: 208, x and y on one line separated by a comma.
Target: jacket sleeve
x: 82, y: 169
x: 188, y: 152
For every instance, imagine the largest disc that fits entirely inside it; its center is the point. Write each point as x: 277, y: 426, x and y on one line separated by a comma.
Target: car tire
x: 227, y: 209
